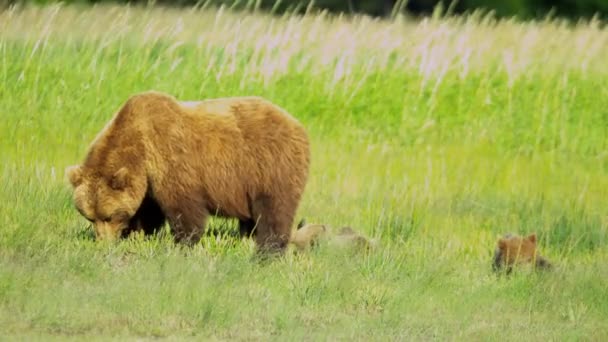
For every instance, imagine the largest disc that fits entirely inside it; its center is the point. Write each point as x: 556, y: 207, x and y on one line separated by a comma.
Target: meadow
x: 435, y: 136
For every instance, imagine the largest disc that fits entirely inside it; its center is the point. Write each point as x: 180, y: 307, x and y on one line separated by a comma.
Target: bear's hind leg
x: 274, y: 220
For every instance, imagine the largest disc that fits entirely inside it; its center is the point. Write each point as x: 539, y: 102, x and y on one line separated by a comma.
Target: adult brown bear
x: 159, y: 158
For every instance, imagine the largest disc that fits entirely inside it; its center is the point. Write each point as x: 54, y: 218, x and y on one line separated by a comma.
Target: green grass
x: 435, y: 136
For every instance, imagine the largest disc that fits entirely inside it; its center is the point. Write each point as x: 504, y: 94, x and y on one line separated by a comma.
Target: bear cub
x: 310, y: 235
x: 512, y: 250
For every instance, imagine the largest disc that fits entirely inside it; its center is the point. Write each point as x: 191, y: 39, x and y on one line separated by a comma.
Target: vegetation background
x: 435, y: 135
x: 523, y: 9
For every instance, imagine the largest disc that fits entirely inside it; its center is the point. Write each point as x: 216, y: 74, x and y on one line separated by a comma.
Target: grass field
x: 434, y: 136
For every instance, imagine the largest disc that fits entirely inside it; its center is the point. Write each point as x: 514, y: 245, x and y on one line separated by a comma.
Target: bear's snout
x: 109, y: 231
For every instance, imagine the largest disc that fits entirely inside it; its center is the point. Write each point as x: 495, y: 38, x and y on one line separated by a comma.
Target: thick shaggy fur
x: 514, y: 250
x: 158, y: 159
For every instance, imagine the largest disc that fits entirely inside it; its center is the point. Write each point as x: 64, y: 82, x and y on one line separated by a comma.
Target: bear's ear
x: 302, y: 223
x: 74, y: 174
x: 120, y: 179
x: 532, y: 238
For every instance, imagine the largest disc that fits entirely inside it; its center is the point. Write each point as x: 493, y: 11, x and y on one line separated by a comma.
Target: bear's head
x: 107, y: 199
x: 308, y: 235
x: 512, y: 250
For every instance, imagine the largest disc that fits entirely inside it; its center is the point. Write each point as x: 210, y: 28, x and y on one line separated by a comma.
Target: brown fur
x: 516, y: 250
x: 158, y: 158
x: 308, y: 235
x: 348, y: 237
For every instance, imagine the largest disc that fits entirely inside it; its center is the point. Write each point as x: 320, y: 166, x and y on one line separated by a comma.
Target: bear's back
x: 261, y: 144
x: 245, y: 109
x: 220, y: 106
x: 237, y: 144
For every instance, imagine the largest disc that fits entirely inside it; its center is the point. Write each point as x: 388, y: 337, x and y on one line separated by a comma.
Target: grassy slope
x: 436, y: 137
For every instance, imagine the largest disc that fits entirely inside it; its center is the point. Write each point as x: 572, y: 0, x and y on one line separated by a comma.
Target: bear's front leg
x: 148, y: 218
x: 187, y: 226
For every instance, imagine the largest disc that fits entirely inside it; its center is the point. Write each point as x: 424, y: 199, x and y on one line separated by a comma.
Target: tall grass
x: 436, y: 136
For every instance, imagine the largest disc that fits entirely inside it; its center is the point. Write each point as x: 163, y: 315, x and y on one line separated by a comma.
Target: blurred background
x: 521, y: 9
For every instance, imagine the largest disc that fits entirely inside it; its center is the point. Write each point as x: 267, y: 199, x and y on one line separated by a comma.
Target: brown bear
x: 348, y: 237
x: 310, y: 235
x: 307, y: 235
x: 514, y: 250
x: 158, y: 158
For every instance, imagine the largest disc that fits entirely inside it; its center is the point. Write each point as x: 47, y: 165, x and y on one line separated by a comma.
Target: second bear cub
x: 514, y: 250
